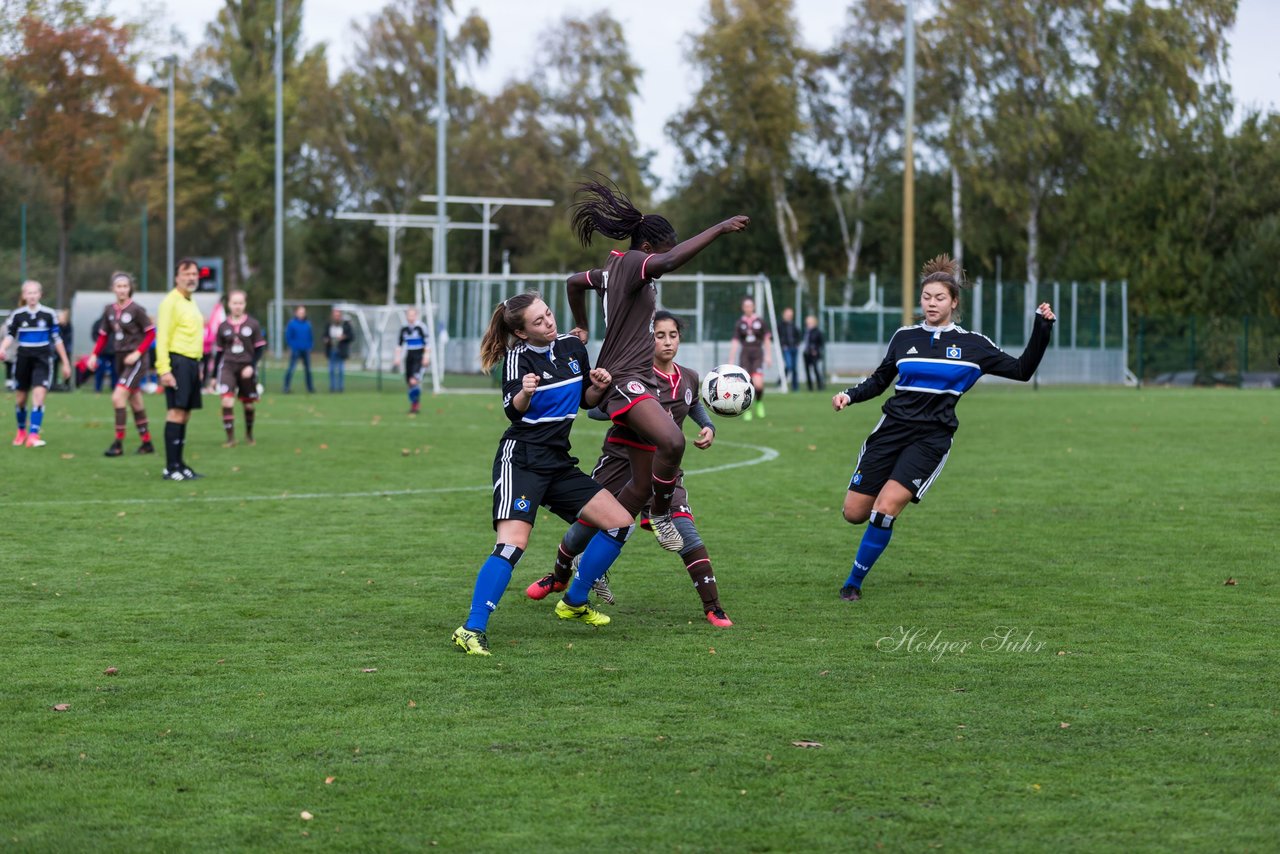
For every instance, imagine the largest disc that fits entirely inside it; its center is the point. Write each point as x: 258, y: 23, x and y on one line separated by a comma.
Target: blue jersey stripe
x: 555, y: 403
x: 938, y: 375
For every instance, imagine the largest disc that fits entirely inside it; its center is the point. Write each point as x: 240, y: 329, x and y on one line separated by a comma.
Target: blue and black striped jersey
x: 35, y: 330
x: 414, y: 337
x: 562, y: 367
x: 936, y: 365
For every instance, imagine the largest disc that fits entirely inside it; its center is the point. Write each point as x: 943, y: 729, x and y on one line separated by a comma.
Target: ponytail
x: 507, y: 319
x: 606, y: 209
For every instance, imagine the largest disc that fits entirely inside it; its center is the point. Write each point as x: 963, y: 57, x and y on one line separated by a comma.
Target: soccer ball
x: 727, y: 390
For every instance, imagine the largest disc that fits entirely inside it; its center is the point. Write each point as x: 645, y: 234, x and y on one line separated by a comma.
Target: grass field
x: 286, y: 620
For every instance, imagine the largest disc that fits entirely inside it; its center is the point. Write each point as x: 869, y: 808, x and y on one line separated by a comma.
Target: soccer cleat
x: 747, y: 416
x: 664, y: 528
x: 472, y: 643
x: 250, y: 441
x: 20, y: 438
x: 146, y: 448
x: 849, y: 593
x: 230, y: 443
x: 172, y: 474
x: 583, y: 612
x: 544, y: 585
x: 116, y: 449
x: 188, y: 474
x: 34, y: 441
x: 760, y: 408
x: 602, y: 591
x: 717, y: 617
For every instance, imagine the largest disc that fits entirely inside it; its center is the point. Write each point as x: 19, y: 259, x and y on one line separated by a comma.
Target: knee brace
x: 618, y: 535
x: 511, y: 554
x: 689, y: 532
x: 880, y: 520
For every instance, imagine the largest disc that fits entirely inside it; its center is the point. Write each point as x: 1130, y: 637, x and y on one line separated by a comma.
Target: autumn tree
x: 77, y: 97
x: 746, y: 114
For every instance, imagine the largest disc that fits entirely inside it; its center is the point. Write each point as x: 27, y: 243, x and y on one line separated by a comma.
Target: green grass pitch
x: 1048, y: 656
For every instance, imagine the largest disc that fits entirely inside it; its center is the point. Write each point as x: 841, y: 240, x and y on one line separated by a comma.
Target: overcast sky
x: 656, y: 32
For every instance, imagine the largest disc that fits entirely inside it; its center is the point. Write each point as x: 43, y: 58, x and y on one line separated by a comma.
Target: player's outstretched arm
x: 1022, y: 368
x: 576, y: 289
x: 684, y: 252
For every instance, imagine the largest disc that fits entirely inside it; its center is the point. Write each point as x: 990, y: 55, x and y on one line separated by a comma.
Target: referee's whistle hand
x: 840, y: 401
x: 168, y: 381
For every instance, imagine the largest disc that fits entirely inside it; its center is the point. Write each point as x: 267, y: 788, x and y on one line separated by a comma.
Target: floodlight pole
x: 279, y: 265
x: 168, y: 251
x: 908, y: 169
x: 438, y: 261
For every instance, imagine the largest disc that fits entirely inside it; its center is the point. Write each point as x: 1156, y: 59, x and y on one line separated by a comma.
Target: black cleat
x: 849, y: 593
x: 146, y: 448
x: 116, y: 449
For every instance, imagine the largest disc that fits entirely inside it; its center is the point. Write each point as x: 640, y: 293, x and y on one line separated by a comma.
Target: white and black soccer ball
x: 727, y: 390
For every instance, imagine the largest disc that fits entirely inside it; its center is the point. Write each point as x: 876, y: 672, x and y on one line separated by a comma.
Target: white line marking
x: 766, y: 455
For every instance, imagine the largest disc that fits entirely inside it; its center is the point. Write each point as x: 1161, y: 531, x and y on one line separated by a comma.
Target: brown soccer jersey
x: 237, y: 341
x: 628, y: 297
x: 126, y: 325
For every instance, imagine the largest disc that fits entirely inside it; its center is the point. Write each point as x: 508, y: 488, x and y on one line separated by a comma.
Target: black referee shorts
x: 910, y: 453
x: 31, y: 371
x: 186, y: 371
x: 526, y: 476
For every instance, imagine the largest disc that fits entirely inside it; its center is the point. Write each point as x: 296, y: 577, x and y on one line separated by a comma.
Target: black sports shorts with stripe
x: 528, y: 476
x: 912, y: 453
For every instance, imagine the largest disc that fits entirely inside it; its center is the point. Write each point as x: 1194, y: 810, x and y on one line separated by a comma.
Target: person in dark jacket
x: 338, y: 336
x: 300, y: 341
x: 107, y: 364
x: 815, y: 353
x: 789, y: 339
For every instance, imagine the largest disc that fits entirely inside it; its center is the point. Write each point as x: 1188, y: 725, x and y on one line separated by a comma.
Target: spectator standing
x: 815, y: 354
x: 300, y: 341
x: 789, y: 338
x: 107, y: 358
x: 337, y: 346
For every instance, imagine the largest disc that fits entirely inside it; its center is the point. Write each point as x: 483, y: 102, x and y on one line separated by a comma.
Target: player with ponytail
x: 935, y: 363
x: 546, y: 378
x: 628, y: 297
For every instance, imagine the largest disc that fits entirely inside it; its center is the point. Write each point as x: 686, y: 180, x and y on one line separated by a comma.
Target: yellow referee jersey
x: 179, y: 329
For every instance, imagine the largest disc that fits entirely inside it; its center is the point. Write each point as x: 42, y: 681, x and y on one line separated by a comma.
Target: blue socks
x: 20, y: 412
x: 600, y: 554
x: 491, y: 583
x: 415, y: 393
x: 37, y: 418
x: 874, y: 541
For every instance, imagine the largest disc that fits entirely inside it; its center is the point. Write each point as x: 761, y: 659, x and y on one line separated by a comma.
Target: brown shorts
x: 625, y: 393
x: 614, y: 473
x: 752, y: 360
x: 230, y: 382
x: 130, y: 376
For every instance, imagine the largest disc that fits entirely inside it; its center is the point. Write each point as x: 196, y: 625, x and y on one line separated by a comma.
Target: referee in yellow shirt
x: 179, y: 348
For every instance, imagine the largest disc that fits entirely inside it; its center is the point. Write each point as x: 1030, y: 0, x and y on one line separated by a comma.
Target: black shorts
x: 230, y: 382
x: 130, y: 376
x: 912, y: 454
x: 526, y: 476
x: 31, y: 371
x: 186, y: 371
x: 413, y: 365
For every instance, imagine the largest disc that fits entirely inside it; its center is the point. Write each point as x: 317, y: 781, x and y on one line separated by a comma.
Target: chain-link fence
x: 1235, y: 351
